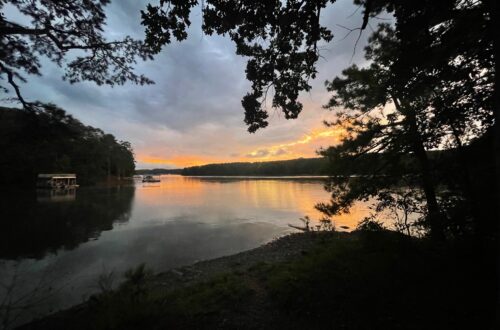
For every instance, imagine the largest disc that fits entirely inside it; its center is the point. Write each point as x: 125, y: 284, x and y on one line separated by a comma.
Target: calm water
x: 61, y: 244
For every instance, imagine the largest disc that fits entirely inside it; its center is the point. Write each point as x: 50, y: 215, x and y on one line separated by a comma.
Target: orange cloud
x: 177, y: 161
x: 305, y: 146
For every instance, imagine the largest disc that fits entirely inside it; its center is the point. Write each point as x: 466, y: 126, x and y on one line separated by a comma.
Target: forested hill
x: 52, y: 141
x: 292, y: 167
x: 444, y: 162
x: 158, y: 171
x: 301, y: 166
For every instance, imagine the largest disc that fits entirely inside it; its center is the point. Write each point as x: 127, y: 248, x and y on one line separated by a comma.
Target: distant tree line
x: 301, y: 166
x: 445, y: 162
x: 158, y: 171
x: 51, y: 141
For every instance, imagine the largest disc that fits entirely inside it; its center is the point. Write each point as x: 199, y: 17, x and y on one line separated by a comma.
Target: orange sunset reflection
x: 281, y: 201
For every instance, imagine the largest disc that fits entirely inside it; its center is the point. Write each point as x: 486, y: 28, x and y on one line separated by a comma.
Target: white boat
x: 150, y: 178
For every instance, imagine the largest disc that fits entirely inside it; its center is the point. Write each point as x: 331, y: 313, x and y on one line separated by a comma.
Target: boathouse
x: 56, y: 181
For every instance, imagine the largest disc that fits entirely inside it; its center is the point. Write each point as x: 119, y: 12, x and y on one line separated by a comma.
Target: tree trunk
x: 434, y: 214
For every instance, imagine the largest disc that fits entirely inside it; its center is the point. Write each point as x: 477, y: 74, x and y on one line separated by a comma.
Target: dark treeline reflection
x: 35, y: 223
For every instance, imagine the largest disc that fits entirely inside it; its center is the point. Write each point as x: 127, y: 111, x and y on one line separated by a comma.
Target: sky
x: 192, y: 115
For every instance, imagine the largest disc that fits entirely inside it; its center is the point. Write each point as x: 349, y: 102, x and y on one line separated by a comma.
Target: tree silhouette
x: 436, y: 68
x: 50, y: 141
x: 280, y: 38
x: 390, y: 111
x: 70, y: 34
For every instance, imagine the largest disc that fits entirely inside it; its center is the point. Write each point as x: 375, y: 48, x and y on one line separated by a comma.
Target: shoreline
x: 281, y: 249
x: 310, y: 280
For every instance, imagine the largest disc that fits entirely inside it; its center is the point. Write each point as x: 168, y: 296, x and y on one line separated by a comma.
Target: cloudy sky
x: 193, y: 114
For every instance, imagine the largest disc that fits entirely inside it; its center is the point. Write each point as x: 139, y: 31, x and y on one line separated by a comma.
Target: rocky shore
x: 314, y: 280
x: 279, y: 250
x: 282, y: 249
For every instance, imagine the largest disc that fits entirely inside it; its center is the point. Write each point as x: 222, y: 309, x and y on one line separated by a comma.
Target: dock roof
x: 57, y: 175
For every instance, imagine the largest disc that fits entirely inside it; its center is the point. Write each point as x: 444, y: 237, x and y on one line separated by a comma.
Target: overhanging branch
x: 10, y: 79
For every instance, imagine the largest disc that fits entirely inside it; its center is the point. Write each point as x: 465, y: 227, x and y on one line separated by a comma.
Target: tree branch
x: 18, y: 29
x: 10, y: 79
x: 366, y: 13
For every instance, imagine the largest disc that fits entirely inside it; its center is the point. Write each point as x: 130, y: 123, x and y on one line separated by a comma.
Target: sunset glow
x: 306, y: 146
x: 178, y: 161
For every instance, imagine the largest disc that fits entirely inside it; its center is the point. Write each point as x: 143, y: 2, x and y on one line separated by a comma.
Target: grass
x: 370, y: 280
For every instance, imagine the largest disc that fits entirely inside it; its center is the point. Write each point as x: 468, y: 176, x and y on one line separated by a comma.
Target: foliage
x: 105, y: 281
x: 306, y: 220
x: 280, y: 38
x: 404, y: 203
x: 137, y: 276
x: 324, y: 224
x: 401, y: 104
x: 370, y: 225
x: 221, y: 294
x: 70, y: 34
x: 136, y: 280
x: 380, y: 281
x: 51, y: 141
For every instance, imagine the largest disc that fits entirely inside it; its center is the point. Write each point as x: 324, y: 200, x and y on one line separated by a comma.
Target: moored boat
x: 150, y: 178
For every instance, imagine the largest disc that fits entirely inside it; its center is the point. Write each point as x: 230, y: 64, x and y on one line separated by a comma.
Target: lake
x: 54, y: 247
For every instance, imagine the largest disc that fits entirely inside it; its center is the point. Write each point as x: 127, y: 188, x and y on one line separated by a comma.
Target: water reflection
x: 34, y: 223
x: 56, y: 195
x: 287, y: 198
x: 63, y: 243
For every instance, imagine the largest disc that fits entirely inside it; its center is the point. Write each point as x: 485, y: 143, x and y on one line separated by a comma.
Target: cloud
x: 280, y: 152
x: 265, y: 153
x: 193, y: 114
x: 261, y: 153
